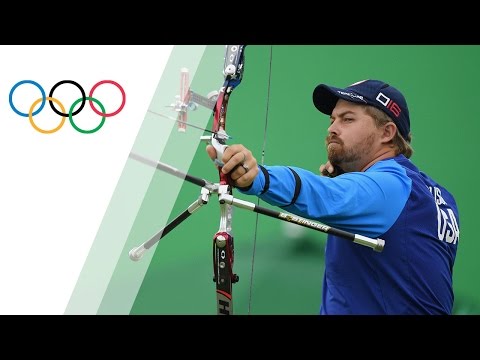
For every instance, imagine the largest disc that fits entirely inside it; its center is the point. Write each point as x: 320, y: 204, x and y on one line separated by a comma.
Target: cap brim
x: 325, y: 98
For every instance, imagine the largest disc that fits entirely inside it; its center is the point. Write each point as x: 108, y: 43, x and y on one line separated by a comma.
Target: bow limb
x: 223, y: 245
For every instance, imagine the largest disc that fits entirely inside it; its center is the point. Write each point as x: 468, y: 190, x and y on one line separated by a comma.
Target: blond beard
x: 350, y: 158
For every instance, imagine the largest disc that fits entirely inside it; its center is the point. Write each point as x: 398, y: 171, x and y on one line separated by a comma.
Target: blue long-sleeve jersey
x: 391, y: 200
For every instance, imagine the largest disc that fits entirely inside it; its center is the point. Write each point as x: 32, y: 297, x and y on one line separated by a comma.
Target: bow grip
x: 219, y: 147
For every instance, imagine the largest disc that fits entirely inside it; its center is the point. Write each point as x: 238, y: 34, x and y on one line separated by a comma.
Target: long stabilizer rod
x: 375, y: 244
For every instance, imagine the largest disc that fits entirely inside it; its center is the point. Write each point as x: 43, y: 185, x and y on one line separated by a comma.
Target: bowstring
x: 258, y: 199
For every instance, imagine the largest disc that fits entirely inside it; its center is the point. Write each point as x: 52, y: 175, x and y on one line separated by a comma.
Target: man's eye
x: 348, y: 119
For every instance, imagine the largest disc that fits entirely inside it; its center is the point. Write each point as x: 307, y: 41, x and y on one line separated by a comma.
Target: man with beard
x: 369, y: 187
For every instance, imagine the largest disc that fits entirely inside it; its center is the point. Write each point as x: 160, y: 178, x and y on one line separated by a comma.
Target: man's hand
x: 330, y: 170
x: 238, y: 162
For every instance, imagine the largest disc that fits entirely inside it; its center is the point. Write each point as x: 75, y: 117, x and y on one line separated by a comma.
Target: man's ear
x: 389, y: 131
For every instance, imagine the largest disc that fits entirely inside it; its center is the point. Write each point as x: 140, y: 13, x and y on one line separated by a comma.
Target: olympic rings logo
x: 71, y: 112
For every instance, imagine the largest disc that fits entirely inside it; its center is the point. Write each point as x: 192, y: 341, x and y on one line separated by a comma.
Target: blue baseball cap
x: 368, y: 92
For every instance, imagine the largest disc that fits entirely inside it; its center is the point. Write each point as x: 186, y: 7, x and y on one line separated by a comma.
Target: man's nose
x: 333, y: 129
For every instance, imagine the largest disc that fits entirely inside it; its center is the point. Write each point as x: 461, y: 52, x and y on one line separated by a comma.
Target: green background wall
x: 441, y: 87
